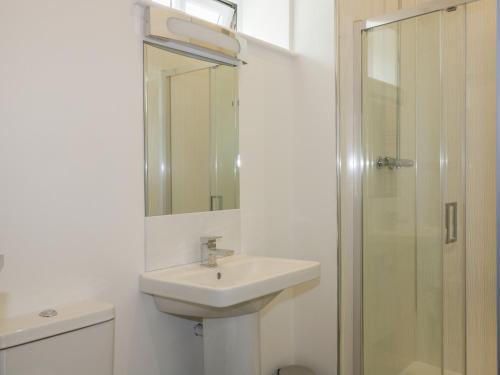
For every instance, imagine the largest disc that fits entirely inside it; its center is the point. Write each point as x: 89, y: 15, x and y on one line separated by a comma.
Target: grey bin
x: 295, y: 370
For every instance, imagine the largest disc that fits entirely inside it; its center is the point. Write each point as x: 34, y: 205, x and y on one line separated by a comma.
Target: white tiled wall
x: 175, y: 239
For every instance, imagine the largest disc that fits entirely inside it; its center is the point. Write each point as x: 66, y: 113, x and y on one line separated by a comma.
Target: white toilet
x: 76, y: 339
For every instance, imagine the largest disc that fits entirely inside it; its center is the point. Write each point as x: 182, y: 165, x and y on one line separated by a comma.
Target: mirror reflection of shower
x: 395, y: 162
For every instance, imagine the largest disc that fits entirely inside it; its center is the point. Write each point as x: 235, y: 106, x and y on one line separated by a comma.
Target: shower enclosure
x: 410, y: 257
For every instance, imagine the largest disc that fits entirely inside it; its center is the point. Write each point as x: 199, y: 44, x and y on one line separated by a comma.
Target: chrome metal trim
x: 338, y: 181
x: 228, y: 3
x: 145, y: 131
x: 234, y: 22
x: 358, y: 353
x: 193, y: 51
x: 420, y: 10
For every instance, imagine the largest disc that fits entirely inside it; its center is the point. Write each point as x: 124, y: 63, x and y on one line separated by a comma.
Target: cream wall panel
x: 481, y: 199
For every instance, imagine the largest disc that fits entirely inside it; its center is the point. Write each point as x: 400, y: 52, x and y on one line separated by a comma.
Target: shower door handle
x: 451, y: 222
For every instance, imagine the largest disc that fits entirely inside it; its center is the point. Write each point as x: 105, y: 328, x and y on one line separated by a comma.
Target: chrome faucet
x: 209, y: 251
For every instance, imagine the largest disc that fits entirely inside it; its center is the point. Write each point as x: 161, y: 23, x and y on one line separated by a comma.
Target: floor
x: 420, y: 368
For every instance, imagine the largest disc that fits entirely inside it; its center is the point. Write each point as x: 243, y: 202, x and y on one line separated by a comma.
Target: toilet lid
x: 26, y: 328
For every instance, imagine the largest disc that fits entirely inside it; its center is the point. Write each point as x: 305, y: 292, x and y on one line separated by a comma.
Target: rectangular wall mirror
x: 191, y: 133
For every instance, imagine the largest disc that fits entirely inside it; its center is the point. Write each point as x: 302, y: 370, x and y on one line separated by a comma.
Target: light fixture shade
x: 177, y: 26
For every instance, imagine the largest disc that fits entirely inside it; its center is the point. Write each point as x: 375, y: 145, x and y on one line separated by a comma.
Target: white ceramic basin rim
x: 236, y: 280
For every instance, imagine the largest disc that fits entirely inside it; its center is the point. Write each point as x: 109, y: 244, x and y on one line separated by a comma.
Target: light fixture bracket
x: 184, y: 31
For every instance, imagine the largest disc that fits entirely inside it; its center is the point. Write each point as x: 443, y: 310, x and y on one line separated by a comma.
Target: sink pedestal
x: 232, y: 345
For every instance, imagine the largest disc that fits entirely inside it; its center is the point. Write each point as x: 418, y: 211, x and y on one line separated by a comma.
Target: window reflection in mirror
x: 191, y: 134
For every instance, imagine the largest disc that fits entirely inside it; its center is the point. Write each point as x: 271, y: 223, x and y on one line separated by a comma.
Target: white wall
x: 315, y: 210
x: 175, y: 239
x: 267, y: 123
x: 71, y: 166
x: 266, y: 20
x: 288, y: 184
x: 71, y: 161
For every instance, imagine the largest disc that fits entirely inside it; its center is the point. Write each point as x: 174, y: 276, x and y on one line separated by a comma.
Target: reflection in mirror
x: 191, y: 134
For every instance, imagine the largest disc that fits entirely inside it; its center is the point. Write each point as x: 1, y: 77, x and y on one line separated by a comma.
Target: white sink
x: 228, y: 299
x: 239, y: 285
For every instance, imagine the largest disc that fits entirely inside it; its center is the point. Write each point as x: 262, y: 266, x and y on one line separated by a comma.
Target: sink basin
x: 240, y: 285
x: 227, y: 298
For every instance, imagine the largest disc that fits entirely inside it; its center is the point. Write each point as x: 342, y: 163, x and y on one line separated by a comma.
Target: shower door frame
x: 352, y: 173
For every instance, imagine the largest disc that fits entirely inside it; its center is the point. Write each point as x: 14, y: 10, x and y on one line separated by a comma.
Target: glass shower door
x: 413, y: 251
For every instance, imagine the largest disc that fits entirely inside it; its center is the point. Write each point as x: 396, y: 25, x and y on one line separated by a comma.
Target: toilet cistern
x: 209, y: 251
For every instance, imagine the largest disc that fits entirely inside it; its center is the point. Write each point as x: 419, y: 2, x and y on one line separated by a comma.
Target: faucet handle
x: 210, y: 239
